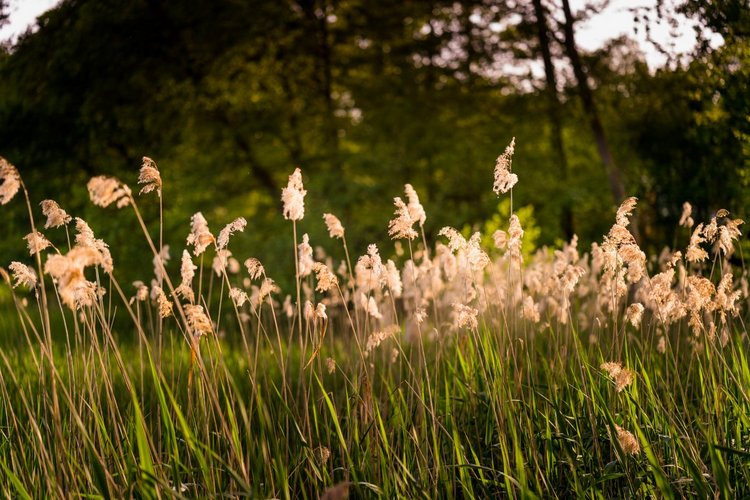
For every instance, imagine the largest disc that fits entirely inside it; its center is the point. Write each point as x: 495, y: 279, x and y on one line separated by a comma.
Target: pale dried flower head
x: 370, y: 306
x: 308, y: 311
x: 23, y: 274
x: 267, y: 287
x: 56, y: 216
x: 68, y: 272
x: 634, y: 314
x: 515, y: 240
x: 622, y: 376
x: 237, y: 225
x: 369, y: 269
x: 233, y: 265
x: 625, y: 210
x: 149, y: 177
x: 238, y: 296
x: 104, y: 191
x: 416, y: 210
x: 420, y: 314
x: 85, y: 238
x: 393, y: 279
x: 293, y: 197
x: 500, y: 238
x: 141, y: 291
x: 36, y: 242
x: 305, y: 257
x: 197, y: 320
x: 661, y: 346
x: 335, y: 229
x: 200, y: 236
x: 711, y: 230
x: 401, y: 226
x: 254, y: 268
x: 464, y: 317
x: 394, y: 355
x: 456, y: 241
x: 165, y: 306
x: 530, y: 310
x: 330, y: 365
x: 322, y: 454
x: 504, y: 178
x: 726, y: 299
x: 627, y: 440
x: 694, y: 252
x: 325, y: 277
x: 187, y: 273
x: 320, y: 311
x: 11, y: 181
x: 377, y: 338
x: 685, y: 219
x: 727, y: 234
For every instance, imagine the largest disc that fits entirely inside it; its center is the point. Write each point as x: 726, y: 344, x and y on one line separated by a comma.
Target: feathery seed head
x: 416, y: 210
x: 293, y: 197
x: 23, y: 274
x: 335, y: 229
x: 36, y: 242
x: 625, y: 210
x: 104, y: 191
x: 305, y: 252
x: 634, y: 314
x: 325, y: 277
x: 504, y: 178
x: 200, y: 236
x: 401, y: 225
x: 197, y: 320
x: 622, y: 376
x: 56, y: 216
x: 11, y: 181
x: 239, y: 297
x: 627, y: 440
x: 237, y: 225
x: 150, y: 177
x: 464, y: 317
x: 685, y: 219
x: 187, y: 272
x: 254, y: 268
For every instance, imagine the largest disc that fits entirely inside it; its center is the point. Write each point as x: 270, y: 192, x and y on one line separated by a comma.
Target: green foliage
x: 364, y: 93
x: 498, y: 221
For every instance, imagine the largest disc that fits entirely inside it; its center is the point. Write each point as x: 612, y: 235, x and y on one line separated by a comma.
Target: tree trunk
x: 553, y: 104
x: 589, y: 106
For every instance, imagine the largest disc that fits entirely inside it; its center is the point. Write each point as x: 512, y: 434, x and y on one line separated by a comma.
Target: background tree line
x: 229, y: 96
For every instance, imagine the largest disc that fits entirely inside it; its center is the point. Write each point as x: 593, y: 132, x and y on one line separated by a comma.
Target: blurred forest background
x: 229, y: 96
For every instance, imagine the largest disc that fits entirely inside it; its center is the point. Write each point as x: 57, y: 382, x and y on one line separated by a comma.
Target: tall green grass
x: 110, y: 401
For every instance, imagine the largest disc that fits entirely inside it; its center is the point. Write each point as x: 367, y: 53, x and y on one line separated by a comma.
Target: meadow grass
x: 470, y: 372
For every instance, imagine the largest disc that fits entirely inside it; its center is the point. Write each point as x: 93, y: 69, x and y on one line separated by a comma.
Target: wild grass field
x: 464, y: 367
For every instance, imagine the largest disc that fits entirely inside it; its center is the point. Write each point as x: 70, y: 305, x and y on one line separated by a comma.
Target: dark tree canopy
x: 228, y: 97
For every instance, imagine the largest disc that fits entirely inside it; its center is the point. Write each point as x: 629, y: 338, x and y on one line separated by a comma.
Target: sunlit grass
x: 484, y: 379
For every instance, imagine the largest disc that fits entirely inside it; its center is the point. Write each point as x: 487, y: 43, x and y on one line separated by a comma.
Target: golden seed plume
x: 293, y: 197
x: 36, y: 242
x: 401, y: 226
x: 56, y: 216
x: 23, y: 274
x: 335, y: 229
x: 104, y: 191
x: 237, y: 225
x: 627, y: 440
x: 504, y: 178
x: 149, y: 177
x: 11, y: 181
